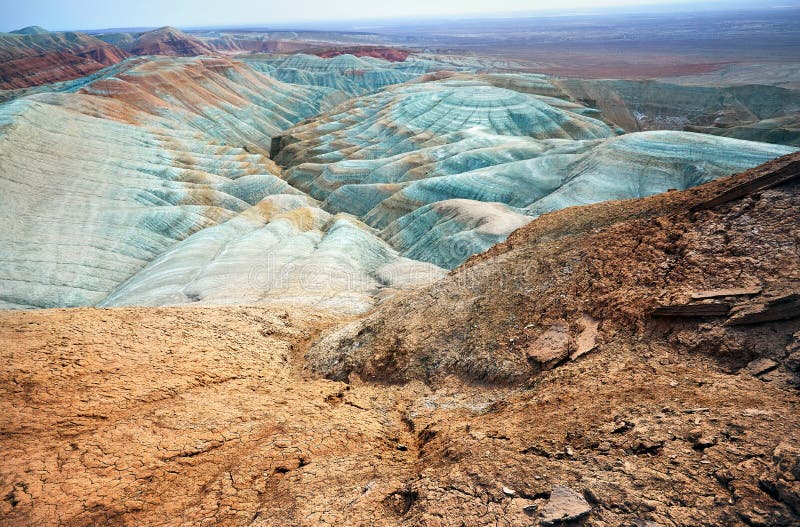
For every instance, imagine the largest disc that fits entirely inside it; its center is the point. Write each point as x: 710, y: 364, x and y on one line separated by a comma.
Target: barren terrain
x: 212, y: 416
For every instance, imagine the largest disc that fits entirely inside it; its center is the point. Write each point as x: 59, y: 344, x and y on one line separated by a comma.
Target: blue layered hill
x: 296, y: 179
x: 419, y: 161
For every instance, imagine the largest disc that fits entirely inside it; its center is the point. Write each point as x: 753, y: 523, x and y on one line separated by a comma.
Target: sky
x: 100, y: 14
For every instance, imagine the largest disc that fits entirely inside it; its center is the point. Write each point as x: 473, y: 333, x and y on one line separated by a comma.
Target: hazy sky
x: 97, y: 14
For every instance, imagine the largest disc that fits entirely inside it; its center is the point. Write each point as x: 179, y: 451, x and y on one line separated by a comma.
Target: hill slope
x: 98, y: 183
x: 604, y: 267
x: 419, y: 160
x: 33, y: 56
x: 186, y: 415
x: 153, y: 183
x: 168, y: 41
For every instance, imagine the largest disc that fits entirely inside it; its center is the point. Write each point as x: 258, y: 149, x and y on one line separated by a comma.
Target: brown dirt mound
x: 522, y: 306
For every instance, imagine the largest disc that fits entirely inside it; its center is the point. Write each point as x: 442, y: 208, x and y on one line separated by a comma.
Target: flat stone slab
x: 719, y: 293
x: 551, y: 347
x: 587, y: 339
x: 711, y: 309
x: 780, y: 306
x: 761, y: 366
x: 565, y: 505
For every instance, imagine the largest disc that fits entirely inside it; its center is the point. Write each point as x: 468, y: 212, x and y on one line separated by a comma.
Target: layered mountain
x: 378, y: 52
x: 753, y: 111
x: 30, y: 30
x: 355, y: 75
x: 152, y: 182
x: 165, y: 40
x: 252, y: 43
x: 172, y: 41
x: 418, y: 161
x: 99, y: 182
x: 34, y: 56
x: 743, y: 111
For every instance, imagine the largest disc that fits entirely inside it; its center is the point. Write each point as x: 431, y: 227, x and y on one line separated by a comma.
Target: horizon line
x: 308, y: 25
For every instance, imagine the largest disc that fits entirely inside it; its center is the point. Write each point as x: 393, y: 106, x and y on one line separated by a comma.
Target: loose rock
x: 564, y: 505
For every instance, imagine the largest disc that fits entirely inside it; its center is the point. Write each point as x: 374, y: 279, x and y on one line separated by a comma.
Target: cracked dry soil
x: 204, y: 416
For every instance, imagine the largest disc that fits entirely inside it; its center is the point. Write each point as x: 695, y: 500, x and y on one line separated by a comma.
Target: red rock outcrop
x: 33, y: 59
x: 168, y: 41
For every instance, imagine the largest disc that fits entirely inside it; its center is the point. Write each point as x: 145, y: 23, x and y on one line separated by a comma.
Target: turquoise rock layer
x: 151, y: 183
x: 345, y: 73
x: 420, y: 162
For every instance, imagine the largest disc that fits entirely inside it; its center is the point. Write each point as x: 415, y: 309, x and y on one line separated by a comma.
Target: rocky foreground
x: 627, y: 363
